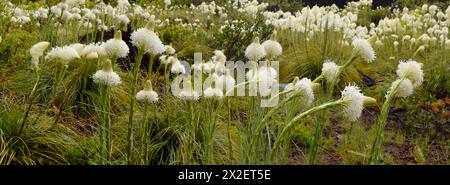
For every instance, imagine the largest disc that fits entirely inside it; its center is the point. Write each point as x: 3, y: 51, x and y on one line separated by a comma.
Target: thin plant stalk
x: 381, y: 124
x: 105, y: 124
x: 166, y: 79
x: 281, y: 136
x: 30, y: 103
x: 230, y: 144
x: 318, y: 129
x: 143, y: 131
x: 136, y: 68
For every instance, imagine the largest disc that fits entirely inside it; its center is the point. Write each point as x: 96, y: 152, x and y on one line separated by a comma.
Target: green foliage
x: 285, y: 5
x: 417, y: 3
x: 304, y: 57
x: 14, y: 49
x: 366, y: 16
x: 236, y: 35
x: 355, y: 143
x: 40, y: 143
x: 303, y: 133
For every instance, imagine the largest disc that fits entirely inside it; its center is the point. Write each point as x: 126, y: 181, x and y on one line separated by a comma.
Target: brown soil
x: 437, y: 151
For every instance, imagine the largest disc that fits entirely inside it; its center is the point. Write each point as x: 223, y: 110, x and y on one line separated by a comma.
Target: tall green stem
x: 318, y: 129
x: 106, y: 111
x: 166, y: 79
x: 190, y: 150
x: 144, y: 132
x: 30, y: 104
x: 136, y: 68
x: 285, y: 130
x: 150, y: 66
x: 381, y: 124
x: 230, y: 144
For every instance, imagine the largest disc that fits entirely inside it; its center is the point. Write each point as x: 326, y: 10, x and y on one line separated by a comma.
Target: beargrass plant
x: 361, y: 48
x: 352, y: 101
x: 106, y: 78
x: 410, y: 76
x: 146, y: 41
x: 213, y: 96
x: 147, y: 96
x: 36, y: 53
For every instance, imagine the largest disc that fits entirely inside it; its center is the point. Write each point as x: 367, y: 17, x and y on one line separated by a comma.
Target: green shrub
x: 236, y: 35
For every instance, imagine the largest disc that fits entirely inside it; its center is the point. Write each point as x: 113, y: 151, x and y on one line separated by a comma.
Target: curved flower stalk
x: 146, y: 41
x: 410, y: 76
x: 36, y: 52
x: 332, y: 72
x: 106, y: 78
x: 352, y: 101
x: 146, y: 96
x: 301, y: 90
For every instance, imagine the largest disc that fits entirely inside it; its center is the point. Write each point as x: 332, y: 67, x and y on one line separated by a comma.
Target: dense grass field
x: 224, y: 82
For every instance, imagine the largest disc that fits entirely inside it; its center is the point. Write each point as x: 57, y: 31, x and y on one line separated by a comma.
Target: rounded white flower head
x: 225, y: 81
x: 106, y: 76
x: 147, y: 40
x: 92, y: 56
x: 255, y: 51
x: 354, y: 102
x: 219, y: 56
x: 272, y: 47
x: 208, y: 67
x: 405, y: 88
x: 212, y: 90
x: 330, y: 70
x: 169, y: 50
x: 74, y: 3
x: 267, y: 70
x: 64, y: 54
x: 167, y: 3
x: 293, y: 85
x: 364, y: 49
x: 411, y: 70
x: 147, y: 94
x: 116, y: 47
x: 177, y: 67
x: 164, y: 59
x: 123, y: 19
x: 307, y: 87
x: 37, y: 51
x: 97, y: 48
x: 265, y: 85
x: 187, y: 93
x: 79, y: 48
